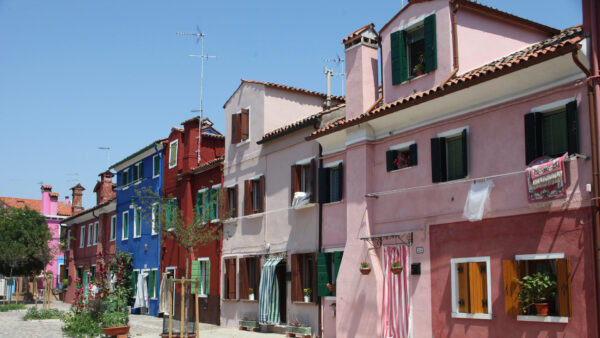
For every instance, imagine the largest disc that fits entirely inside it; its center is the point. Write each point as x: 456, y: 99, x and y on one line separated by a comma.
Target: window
x: 90, y: 239
x: 138, y: 171
x: 155, y: 166
x: 303, y: 179
x: 125, y: 230
x: 153, y: 283
x: 449, y: 156
x: 552, y: 132
x: 240, y: 126
x: 413, y: 50
x: 331, y: 182
x: 93, y: 274
x: 471, y: 287
x: 173, y: 153
x: 229, y: 278
x: 125, y: 177
x: 134, y: 278
x: 254, y: 195
x: 328, y: 265
x: 137, y: 222
x: 113, y: 228
x: 82, y: 237
x: 155, y: 218
x: 556, y: 266
x: 304, y: 271
x: 229, y: 207
x: 68, y: 239
x: 96, y: 226
x: 401, y: 156
x: 201, y: 271
x: 207, y: 204
x: 171, y: 213
x: 249, y: 276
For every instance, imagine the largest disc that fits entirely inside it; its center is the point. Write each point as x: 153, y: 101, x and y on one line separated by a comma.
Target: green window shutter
x: 340, y: 181
x: 212, y: 196
x: 151, y: 284
x: 413, y: 155
x: 438, y: 159
x: 399, y: 58
x: 195, y: 274
x: 323, y: 174
x: 389, y: 160
x: 138, y: 222
x: 135, y: 173
x: 430, y: 44
x: 207, y: 277
x: 322, y: 275
x: 85, y: 280
x: 134, y: 275
x: 141, y: 169
x: 572, y: 128
x: 199, y: 206
x: 156, y: 166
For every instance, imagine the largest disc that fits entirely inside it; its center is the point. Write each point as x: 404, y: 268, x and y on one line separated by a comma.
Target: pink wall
x: 502, y: 238
x: 361, y: 79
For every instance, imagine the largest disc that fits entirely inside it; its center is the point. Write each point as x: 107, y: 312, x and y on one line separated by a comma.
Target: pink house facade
x: 468, y: 93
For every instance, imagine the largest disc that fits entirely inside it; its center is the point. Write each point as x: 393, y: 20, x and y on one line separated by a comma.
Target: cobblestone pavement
x: 12, y: 325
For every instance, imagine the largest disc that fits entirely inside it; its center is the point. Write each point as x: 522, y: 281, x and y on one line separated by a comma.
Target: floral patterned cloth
x: 546, y: 179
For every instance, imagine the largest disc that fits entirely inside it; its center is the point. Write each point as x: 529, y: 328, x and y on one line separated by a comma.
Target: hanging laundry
x: 163, y: 295
x: 141, y: 295
x: 546, y: 179
x: 478, y: 200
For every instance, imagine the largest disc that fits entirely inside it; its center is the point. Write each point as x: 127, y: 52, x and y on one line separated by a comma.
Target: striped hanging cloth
x: 268, y: 294
x: 396, y: 294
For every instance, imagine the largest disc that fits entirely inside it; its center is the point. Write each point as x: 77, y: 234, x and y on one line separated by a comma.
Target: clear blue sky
x: 76, y: 75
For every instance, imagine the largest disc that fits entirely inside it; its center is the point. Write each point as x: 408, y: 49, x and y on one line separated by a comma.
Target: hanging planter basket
x: 365, y: 271
x: 396, y: 270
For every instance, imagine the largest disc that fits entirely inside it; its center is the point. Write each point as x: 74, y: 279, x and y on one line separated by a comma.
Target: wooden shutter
x: 389, y: 160
x: 207, y: 277
x: 224, y: 204
x: 151, y: 284
x: 261, y: 193
x: 511, y: 287
x: 322, y: 275
x: 438, y: 172
x: 399, y: 57
x: 296, y: 171
x: 478, y: 287
x: 340, y: 181
x: 313, y: 181
x: 231, y: 278
x: 134, y: 278
x: 563, y: 279
x: 244, y: 278
x: 296, y: 278
x: 141, y: 169
x: 323, y: 185
x: 413, y: 155
x: 572, y: 128
x: 236, y: 133
x: 532, y: 137
x: 245, y: 124
x: 430, y: 44
x: 235, y: 203
x: 248, y: 197
x: 465, y: 153
x: 464, y: 304
x: 195, y: 275
x: 313, y: 283
x: 257, y: 270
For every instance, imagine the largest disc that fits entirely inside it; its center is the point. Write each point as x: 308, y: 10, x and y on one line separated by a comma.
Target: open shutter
x: 478, y: 287
x: 465, y: 153
x: 389, y: 160
x: 207, y: 277
x: 261, y: 193
x: 314, y: 284
x: 234, y: 204
x: 430, y: 44
x: 236, y: 121
x: 313, y: 181
x: 532, y: 137
x: 464, y: 304
x: 564, y: 287
x: 399, y: 58
x: 195, y: 275
x: 296, y: 171
x: 296, y: 278
x: 322, y: 275
x: 245, y: 124
x: 231, y: 278
x: 437, y: 162
x: 572, y: 128
x: 248, y: 197
x: 244, y: 278
x: 511, y: 287
x: 413, y: 155
x: 340, y: 181
x: 323, y: 185
x: 224, y: 204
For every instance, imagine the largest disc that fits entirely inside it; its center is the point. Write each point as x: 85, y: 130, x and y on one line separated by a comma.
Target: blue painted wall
x: 146, y: 248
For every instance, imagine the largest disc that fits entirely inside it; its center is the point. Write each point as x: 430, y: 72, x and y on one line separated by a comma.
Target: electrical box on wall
x: 415, y: 269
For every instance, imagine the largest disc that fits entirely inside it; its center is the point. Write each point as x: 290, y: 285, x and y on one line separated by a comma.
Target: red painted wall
x: 569, y: 232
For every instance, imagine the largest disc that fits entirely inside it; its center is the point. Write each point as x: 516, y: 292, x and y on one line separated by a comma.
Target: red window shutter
x: 236, y: 121
x: 261, y: 193
x: 244, y: 278
x: 231, y: 279
x: 248, y: 197
x: 245, y: 124
x: 224, y: 201
x: 296, y: 278
x: 234, y: 204
x: 295, y: 179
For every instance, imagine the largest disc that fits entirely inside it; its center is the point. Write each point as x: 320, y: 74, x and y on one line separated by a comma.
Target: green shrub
x: 112, y: 319
x: 80, y: 325
x: 10, y: 307
x: 32, y: 314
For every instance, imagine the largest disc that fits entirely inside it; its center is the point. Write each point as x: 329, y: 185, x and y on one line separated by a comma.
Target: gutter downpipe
x: 454, y: 8
x: 320, y: 314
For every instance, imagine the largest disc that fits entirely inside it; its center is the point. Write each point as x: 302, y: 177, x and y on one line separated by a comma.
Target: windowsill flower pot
x: 115, y: 323
x: 419, y: 69
x: 250, y: 294
x: 307, y: 293
x: 537, y: 289
x: 331, y: 286
x: 365, y: 268
x: 396, y: 267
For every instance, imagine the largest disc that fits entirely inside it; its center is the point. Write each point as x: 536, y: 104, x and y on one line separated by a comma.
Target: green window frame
x: 201, y: 271
x: 137, y: 222
x: 171, y: 213
x: 155, y: 166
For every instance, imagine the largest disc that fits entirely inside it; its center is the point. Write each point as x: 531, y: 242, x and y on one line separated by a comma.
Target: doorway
x: 280, y: 272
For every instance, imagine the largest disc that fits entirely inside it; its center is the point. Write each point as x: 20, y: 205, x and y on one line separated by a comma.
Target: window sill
x: 125, y: 187
x: 543, y: 319
x: 334, y: 203
x: 124, y: 239
x: 472, y: 315
x: 227, y: 300
x: 401, y: 169
x: 155, y: 176
x: 257, y: 215
x: 216, y: 220
x: 249, y: 300
x: 305, y: 206
x: 329, y: 297
x: 239, y: 144
x: 230, y: 220
x: 304, y: 303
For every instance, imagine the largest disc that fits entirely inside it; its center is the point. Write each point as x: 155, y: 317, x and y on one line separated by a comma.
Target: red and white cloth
x: 396, y: 293
x: 546, y: 179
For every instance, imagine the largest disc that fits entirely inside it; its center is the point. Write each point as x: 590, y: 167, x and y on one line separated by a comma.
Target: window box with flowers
x: 296, y: 329
x: 401, y: 156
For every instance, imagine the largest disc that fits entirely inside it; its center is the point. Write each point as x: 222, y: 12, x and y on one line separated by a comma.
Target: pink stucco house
x: 470, y: 99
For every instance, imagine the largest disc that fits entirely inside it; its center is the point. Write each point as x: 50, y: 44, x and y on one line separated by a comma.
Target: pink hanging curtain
x: 396, y: 291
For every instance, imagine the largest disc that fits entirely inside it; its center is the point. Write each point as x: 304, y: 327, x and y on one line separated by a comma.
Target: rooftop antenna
x: 107, y: 155
x: 199, y: 38
x: 338, y: 61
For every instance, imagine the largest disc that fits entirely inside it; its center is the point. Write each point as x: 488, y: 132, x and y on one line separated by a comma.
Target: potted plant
x: 419, y: 69
x: 365, y: 268
x: 115, y: 323
x: 536, y: 289
x: 295, y: 327
x: 331, y: 286
x: 249, y: 324
x: 65, y: 283
x: 250, y: 293
x: 307, y: 292
x: 396, y: 267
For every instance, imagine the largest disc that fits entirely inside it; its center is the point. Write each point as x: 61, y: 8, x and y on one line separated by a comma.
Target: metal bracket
x: 401, y: 238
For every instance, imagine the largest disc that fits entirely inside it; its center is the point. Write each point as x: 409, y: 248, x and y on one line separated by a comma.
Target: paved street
x: 13, y: 326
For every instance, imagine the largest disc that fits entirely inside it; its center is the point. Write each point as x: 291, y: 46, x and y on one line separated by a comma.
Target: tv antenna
x: 107, y: 155
x: 200, y: 38
x: 329, y: 72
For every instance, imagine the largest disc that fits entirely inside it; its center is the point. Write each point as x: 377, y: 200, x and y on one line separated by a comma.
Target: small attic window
x: 413, y: 50
x: 415, y: 45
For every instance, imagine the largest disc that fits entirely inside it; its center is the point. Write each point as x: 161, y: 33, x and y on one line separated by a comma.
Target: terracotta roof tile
x: 357, y: 32
x: 205, y: 166
x: 556, y: 45
x: 64, y: 209
x: 213, y: 136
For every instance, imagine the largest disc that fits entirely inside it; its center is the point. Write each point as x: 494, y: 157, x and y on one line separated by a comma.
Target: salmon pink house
x: 466, y: 158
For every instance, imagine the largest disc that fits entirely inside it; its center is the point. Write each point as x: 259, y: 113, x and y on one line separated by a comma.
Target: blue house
x: 135, y: 232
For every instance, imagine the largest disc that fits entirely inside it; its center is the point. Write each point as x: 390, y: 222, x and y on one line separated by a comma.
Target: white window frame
x: 126, y: 185
x: 454, y: 285
x: 124, y: 234
x: 139, y: 271
x: 156, y: 281
x: 174, y: 269
x: 203, y: 295
x: 113, y: 228
x: 82, y: 236
x: 176, y: 142
x: 136, y: 168
x: 90, y: 235
x: 402, y: 147
x: 202, y: 191
x: 69, y: 239
x: 154, y: 220
x: 96, y: 229
x: 137, y: 214
x: 154, y: 168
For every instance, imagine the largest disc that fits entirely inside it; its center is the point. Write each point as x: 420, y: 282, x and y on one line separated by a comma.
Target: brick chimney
x: 104, y: 189
x: 46, y: 190
x: 190, y: 143
x: 76, y: 206
x: 362, y: 79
